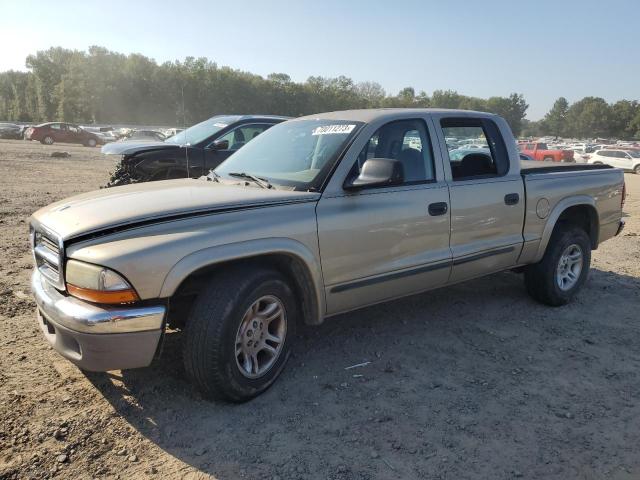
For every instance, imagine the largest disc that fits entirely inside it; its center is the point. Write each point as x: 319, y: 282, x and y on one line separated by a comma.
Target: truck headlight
x: 97, y: 284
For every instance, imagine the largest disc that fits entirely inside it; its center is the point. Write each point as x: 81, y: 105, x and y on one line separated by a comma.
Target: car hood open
x: 130, y: 147
x: 138, y: 204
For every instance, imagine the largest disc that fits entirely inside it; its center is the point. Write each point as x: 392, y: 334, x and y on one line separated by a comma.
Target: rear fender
x: 555, y: 214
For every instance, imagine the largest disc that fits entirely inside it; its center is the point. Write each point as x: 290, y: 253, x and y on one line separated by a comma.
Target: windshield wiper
x: 213, y: 175
x: 259, y: 181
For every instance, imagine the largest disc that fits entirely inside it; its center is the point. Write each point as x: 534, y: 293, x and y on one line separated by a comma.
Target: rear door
x: 56, y: 131
x: 383, y: 242
x: 64, y: 134
x: 487, y: 201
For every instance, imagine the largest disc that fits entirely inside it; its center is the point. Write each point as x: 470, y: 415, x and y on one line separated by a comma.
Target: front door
x: 487, y: 201
x: 234, y: 140
x: 384, y: 242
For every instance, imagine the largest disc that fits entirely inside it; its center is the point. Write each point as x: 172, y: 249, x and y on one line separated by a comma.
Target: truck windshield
x: 203, y: 130
x: 298, y: 153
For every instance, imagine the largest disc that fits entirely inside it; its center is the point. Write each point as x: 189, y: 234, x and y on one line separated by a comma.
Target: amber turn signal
x: 103, y: 296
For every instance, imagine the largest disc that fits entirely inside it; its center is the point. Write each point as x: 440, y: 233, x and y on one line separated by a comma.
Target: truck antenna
x: 184, y: 126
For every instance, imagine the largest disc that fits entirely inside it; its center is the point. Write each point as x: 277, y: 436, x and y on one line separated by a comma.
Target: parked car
x: 11, y: 131
x: 170, y: 132
x: 190, y: 153
x: 459, y: 153
x: 628, y: 160
x: 540, y: 151
x: 317, y: 216
x: 49, y: 133
x: 147, y: 135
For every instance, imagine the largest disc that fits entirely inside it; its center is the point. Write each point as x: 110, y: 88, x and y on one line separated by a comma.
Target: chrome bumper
x: 85, y: 317
x: 94, y: 337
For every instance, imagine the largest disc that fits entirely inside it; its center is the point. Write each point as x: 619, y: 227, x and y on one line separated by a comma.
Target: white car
x: 628, y: 160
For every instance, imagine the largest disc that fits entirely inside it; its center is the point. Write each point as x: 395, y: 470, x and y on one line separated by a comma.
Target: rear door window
x: 468, y: 163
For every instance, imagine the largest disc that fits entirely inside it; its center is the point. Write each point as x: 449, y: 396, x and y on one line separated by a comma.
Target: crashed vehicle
x: 190, y: 153
x: 318, y: 216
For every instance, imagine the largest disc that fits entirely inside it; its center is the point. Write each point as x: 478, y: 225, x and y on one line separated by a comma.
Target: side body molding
x: 254, y: 249
x: 559, y: 208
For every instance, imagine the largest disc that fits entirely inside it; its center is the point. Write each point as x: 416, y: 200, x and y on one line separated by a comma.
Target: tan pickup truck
x: 317, y: 216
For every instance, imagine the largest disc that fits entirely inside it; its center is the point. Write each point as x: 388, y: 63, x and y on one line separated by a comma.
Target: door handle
x: 438, y: 208
x: 511, y: 198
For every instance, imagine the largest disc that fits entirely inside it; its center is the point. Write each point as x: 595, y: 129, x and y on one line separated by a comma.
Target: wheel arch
x: 288, y: 256
x: 578, y: 210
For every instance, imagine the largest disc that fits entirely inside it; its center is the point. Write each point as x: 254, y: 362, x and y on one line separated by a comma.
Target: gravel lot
x: 472, y: 381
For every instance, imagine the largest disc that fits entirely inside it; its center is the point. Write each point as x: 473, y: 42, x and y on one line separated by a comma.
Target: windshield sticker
x: 220, y: 125
x: 334, y: 129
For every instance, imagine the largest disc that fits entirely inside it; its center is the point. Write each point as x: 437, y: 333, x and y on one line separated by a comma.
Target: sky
x: 542, y: 49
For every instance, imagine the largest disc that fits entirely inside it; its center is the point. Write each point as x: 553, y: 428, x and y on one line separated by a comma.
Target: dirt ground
x: 471, y: 381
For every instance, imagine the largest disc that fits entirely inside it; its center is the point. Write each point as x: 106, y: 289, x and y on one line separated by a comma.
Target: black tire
x: 91, y: 143
x: 541, y: 278
x: 547, y: 159
x: 47, y: 140
x: 637, y: 170
x: 209, y: 348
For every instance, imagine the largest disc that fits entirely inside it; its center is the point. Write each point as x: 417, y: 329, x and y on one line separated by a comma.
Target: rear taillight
x: 624, y: 194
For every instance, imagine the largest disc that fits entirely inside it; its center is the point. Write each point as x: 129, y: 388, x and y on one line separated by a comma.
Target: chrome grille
x: 48, y: 254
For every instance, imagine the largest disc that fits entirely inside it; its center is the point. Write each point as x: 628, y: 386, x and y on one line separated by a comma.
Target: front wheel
x: 239, y: 334
x: 560, y: 274
x: 636, y: 170
x: 91, y: 143
x: 47, y: 140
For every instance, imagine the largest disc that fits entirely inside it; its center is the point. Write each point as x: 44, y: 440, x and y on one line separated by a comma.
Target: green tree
x: 590, y: 117
x: 623, y: 113
x: 555, y: 121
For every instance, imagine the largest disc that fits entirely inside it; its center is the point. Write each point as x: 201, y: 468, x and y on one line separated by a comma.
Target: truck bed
x: 528, y: 167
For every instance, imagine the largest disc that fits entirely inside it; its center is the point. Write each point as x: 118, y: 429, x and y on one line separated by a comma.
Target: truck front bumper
x: 97, y: 338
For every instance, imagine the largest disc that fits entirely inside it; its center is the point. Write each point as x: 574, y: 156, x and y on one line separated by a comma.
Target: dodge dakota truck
x: 317, y: 216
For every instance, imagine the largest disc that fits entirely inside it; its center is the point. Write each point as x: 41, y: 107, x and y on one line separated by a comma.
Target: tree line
x: 591, y: 117
x: 101, y: 86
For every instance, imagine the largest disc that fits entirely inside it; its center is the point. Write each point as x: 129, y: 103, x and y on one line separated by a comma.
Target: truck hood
x: 131, y: 205
x: 129, y: 147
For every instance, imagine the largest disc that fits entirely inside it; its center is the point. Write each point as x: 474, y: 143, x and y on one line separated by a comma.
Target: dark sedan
x: 11, y: 131
x: 190, y: 153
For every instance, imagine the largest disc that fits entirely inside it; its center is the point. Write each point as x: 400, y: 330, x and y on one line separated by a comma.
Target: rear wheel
x: 91, y: 143
x: 47, y: 140
x: 560, y: 274
x: 238, y: 336
x: 636, y: 170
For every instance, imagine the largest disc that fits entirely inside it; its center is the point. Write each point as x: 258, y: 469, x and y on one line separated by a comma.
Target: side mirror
x: 377, y: 172
x: 220, y: 145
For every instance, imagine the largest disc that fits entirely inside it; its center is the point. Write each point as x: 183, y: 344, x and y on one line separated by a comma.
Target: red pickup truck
x: 540, y: 151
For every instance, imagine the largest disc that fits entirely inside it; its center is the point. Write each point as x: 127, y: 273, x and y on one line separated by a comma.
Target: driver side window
x: 238, y: 137
x: 406, y: 141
